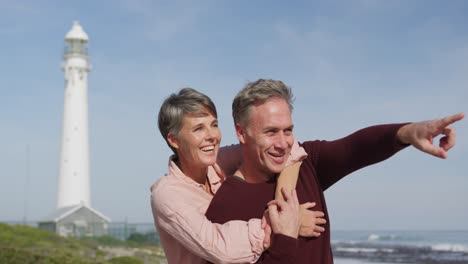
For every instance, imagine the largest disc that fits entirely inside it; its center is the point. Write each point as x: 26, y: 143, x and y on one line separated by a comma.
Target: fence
x: 120, y: 230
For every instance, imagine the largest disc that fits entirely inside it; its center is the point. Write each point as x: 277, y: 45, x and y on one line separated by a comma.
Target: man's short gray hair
x: 187, y: 102
x: 256, y: 92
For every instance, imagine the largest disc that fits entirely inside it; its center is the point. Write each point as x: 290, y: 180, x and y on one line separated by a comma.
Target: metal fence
x: 119, y: 230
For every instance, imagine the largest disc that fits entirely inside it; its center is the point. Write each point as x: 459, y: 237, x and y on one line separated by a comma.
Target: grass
x: 24, y: 244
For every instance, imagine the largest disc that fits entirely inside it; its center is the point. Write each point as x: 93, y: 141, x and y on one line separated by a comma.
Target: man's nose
x: 282, y: 141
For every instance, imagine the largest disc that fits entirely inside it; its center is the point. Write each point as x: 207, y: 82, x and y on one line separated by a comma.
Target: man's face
x: 267, y: 138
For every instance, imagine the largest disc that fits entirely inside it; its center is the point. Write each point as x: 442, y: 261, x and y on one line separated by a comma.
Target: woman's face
x: 197, y: 143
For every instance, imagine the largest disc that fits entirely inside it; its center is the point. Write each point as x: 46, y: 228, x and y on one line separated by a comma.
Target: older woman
x: 188, y: 122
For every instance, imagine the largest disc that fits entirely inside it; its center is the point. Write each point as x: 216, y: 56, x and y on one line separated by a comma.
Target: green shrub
x: 29, y: 245
x: 144, y: 239
x: 125, y: 260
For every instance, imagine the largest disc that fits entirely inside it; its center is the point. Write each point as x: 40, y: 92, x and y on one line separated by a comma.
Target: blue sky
x: 350, y: 64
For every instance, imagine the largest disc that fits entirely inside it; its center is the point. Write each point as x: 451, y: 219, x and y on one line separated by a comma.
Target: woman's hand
x: 311, y: 221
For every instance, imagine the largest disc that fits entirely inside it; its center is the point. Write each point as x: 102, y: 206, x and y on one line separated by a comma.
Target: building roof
x: 76, y: 32
x: 63, y: 212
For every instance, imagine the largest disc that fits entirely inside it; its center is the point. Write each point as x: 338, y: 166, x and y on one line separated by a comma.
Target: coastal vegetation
x: 24, y: 244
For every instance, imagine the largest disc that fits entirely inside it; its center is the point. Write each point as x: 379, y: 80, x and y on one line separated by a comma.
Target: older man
x: 262, y: 117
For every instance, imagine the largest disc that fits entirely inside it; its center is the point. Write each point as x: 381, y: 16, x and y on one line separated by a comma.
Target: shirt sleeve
x: 297, y: 154
x: 229, y: 158
x: 232, y: 242
x: 283, y: 250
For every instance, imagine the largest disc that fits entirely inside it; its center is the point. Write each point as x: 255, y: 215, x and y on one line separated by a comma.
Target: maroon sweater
x: 327, y: 163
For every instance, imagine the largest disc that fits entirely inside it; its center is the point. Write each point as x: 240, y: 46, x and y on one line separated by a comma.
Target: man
x: 262, y: 117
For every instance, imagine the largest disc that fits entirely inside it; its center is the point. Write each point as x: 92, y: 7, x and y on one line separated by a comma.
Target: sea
x: 403, y: 246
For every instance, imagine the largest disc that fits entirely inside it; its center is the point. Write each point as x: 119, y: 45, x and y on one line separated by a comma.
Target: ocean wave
x: 393, y: 253
x: 363, y: 250
x: 349, y: 242
x: 397, y: 246
x: 376, y: 237
x: 450, y: 247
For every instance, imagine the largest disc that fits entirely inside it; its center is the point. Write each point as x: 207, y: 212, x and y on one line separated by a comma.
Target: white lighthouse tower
x: 74, y: 181
x: 74, y: 215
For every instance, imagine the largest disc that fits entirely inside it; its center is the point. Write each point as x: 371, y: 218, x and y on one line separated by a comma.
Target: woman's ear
x: 173, y: 141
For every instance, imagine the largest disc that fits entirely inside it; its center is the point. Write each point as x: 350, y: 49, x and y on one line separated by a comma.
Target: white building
x: 74, y: 196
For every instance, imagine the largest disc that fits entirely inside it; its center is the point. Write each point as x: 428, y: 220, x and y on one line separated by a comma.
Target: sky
x: 350, y: 64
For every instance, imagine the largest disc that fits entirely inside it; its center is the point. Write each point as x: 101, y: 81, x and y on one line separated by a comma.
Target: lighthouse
x: 74, y: 215
x: 74, y: 179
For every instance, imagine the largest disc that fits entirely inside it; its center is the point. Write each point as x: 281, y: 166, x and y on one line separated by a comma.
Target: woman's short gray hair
x: 255, y: 92
x: 187, y: 102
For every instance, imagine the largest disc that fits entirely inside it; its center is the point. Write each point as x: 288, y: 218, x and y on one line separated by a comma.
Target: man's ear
x: 173, y: 141
x: 240, y: 132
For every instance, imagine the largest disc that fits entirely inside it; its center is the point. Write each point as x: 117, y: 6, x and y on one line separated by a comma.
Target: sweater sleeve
x: 336, y: 159
x: 283, y: 250
x: 229, y: 158
x: 232, y: 242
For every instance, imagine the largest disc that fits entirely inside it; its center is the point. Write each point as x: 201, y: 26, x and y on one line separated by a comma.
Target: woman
x: 188, y: 123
